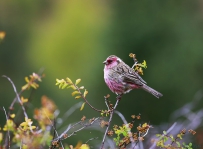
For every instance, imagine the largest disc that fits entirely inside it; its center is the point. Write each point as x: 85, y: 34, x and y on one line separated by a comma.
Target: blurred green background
x: 73, y: 38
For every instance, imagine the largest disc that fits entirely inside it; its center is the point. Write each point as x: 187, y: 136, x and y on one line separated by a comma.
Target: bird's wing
x: 129, y: 75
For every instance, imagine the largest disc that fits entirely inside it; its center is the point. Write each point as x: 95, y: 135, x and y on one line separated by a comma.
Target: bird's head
x: 112, y: 61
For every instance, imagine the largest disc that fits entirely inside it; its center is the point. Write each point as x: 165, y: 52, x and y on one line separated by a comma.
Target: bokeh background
x: 73, y: 38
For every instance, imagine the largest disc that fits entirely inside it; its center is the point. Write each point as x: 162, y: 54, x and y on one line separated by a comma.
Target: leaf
x: 69, y: 80
x: 60, y: 85
x: 77, y: 97
x: 73, y: 87
x: 64, y: 85
x: 77, y: 81
x: 84, y: 146
x: 75, y: 92
x: 82, y: 87
x: 164, y: 132
x: 82, y: 106
x: 12, y: 115
x: 26, y: 79
x: 85, y: 93
x: 178, y: 144
x: 144, y: 64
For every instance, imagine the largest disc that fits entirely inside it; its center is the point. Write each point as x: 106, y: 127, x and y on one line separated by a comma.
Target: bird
x: 121, y: 79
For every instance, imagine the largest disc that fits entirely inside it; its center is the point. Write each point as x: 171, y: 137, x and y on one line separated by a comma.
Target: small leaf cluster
x: 32, y: 81
x: 173, y: 142
x: 27, y: 135
x: 67, y: 83
x: 105, y: 112
x: 138, y: 66
x: 125, y: 135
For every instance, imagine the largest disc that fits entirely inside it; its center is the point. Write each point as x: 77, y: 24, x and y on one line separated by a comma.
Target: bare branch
x: 54, y: 130
x: 18, y: 98
x: 85, y: 99
x: 8, y: 133
x: 110, y: 119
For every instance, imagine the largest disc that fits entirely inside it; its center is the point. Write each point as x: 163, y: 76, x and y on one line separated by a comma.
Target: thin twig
x: 54, y: 130
x: 69, y: 127
x: 110, y: 119
x: 17, y: 95
x: 8, y: 132
x: 14, y: 101
x: 83, y: 127
x: 91, y: 139
x: 106, y: 102
x: 18, y: 98
x: 85, y: 99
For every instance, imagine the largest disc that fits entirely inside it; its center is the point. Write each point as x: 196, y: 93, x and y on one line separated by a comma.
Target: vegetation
x: 27, y: 136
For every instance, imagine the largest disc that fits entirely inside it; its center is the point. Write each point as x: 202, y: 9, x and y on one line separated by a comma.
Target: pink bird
x: 121, y: 79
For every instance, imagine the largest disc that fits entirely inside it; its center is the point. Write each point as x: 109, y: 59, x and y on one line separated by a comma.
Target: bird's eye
x: 109, y: 61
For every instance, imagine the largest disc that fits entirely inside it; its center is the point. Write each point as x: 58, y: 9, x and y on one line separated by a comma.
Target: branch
x: 110, y: 119
x: 85, y: 98
x: 18, y: 98
x: 55, y: 132
x: 61, y: 137
x: 8, y: 133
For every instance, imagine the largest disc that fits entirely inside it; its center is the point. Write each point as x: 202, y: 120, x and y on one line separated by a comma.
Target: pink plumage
x: 121, y: 79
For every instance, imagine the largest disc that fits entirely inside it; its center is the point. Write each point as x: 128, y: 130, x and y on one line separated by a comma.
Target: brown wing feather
x: 128, y: 74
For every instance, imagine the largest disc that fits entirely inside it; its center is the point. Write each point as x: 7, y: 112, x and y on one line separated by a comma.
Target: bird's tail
x: 151, y: 91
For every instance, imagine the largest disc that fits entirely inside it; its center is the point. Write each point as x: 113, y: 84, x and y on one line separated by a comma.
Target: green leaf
x: 77, y: 81
x: 75, y: 92
x: 77, y: 97
x: 158, y: 135
x: 178, y: 144
x: 85, y: 93
x: 164, y: 132
x: 72, y: 86
x: 69, y: 80
x: 64, y: 85
x: 82, y: 107
x: 60, y: 85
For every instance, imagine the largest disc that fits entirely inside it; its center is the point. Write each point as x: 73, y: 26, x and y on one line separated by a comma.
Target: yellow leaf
x: 23, y: 124
x: 12, y: 115
x: 77, y: 81
x: 85, y: 93
x: 69, y: 81
x: 84, y: 146
x: 75, y: 92
x: 25, y: 87
x: 23, y: 99
x: 1, y: 137
x: 26, y: 79
x: 82, y: 106
x: 77, y: 97
x: 73, y: 87
x: 33, y: 127
x: 144, y: 64
x: 64, y: 85
x: 144, y: 125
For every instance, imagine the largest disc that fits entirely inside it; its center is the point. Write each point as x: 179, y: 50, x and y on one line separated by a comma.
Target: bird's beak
x: 105, y: 62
